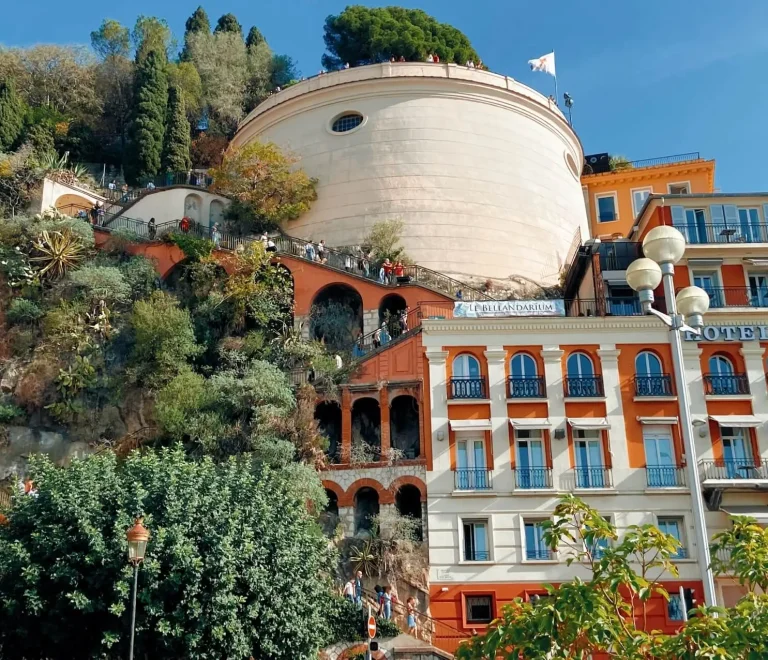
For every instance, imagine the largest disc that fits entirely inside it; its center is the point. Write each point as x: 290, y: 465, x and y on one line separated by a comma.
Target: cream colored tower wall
x: 482, y: 170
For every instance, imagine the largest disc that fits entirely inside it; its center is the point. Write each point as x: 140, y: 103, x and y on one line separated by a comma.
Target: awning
x: 757, y: 512
x: 738, y: 421
x: 657, y: 420
x: 471, y: 425
x: 530, y: 423
x: 589, y: 423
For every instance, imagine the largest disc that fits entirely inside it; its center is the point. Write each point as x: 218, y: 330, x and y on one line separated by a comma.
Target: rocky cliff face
x: 22, y: 441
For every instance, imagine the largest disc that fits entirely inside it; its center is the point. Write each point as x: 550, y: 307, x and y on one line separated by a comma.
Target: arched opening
x: 70, y: 204
x: 390, y: 312
x: 336, y: 317
x: 329, y: 519
x: 408, y: 503
x: 328, y: 416
x: 216, y: 213
x: 366, y: 431
x: 404, y: 425
x: 193, y: 207
x: 366, y: 508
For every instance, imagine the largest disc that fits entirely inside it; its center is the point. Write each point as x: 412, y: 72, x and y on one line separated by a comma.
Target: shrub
x: 96, y: 283
x: 8, y: 412
x: 140, y: 275
x: 193, y: 247
x: 22, y: 342
x: 22, y: 311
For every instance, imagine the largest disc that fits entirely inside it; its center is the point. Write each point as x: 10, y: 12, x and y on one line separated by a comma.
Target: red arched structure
x: 411, y: 481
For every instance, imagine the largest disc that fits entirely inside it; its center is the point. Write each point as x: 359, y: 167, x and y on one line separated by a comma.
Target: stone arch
x: 336, y: 316
x: 328, y: 416
x: 367, y: 505
x: 409, y: 480
x: 385, y: 495
x: 216, y: 213
x: 343, y: 498
x: 404, y: 425
x: 366, y: 430
x: 329, y: 518
x: 70, y: 204
x: 408, y: 503
x: 389, y: 312
x: 193, y: 207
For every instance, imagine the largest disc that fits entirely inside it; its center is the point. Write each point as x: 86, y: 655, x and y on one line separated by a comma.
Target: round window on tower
x: 571, y: 163
x: 346, y: 122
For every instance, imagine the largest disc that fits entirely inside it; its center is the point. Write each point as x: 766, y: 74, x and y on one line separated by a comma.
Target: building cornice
x: 631, y: 174
x: 546, y: 324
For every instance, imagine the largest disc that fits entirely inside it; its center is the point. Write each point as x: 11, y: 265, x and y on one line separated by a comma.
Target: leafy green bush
x: 386, y: 628
x: 96, y: 283
x: 193, y: 247
x: 8, y: 412
x: 22, y: 342
x: 140, y: 275
x: 23, y: 311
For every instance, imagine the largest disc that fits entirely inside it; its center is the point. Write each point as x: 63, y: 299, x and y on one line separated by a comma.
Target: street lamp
x: 663, y: 247
x: 138, y: 537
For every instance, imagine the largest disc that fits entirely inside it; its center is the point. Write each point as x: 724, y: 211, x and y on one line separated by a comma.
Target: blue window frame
x: 535, y: 548
x: 606, y: 208
x: 674, y: 527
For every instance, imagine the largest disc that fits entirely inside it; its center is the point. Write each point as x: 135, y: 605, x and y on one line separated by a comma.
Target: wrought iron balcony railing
x: 660, y: 385
x: 726, y: 384
x: 665, y: 476
x: 533, y: 477
x: 733, y: 469
x: 470, y: 554
x: 703, y: 233
x: 468, y: 388
x: 593, y: 477
x: 530, y: 387
x: 538, y: 554
x: 584, y: 386
x: 473, y: 479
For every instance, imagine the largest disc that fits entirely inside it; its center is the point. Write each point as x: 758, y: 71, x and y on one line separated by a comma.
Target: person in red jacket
x: 399, y: 270
x: 387, y: 266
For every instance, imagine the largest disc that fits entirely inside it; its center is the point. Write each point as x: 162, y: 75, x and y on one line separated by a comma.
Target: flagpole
x: 557, y: 98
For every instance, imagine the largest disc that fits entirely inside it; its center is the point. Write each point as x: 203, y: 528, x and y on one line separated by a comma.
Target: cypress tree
x: 176, y: 147
x: 198, y: 22
x: 151, y: 105
x: 255, y: 37
x: 229, y: 23
x: 11, y: 115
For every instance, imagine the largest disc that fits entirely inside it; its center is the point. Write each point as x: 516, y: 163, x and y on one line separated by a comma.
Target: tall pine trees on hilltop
x: 11, y: 115
x: 151, y: 107
x: 176, y: 147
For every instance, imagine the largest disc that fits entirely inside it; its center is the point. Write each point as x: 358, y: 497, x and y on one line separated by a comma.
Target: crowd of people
x: 385, y: 600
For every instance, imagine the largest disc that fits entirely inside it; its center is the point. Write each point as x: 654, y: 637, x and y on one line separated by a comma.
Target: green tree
x: 361, y: 35
x: 254, y: 38
x: 152, y: 34
x: 229, y: 23
x: 383, y: 241
x: 11, y: 115
x: 176, y: 145
x: 112, y: 39
x: 20, y: 174
x: 150, y: 115
x: 198, y: 22
x: 235, y: 566
x: 284, y: 70
x: 185, y: 77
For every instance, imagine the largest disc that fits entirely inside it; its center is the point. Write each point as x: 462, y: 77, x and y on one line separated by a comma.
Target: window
x: 346, y: 122
x: 737, y: 453
x: 660, y: 464
x: 466, y: 382
x: 479, y: 609
x: 692, y: 223
x: 471, y: 470
x: 647, y: 364
x: 679, y: 188
x: 476, y: 546
x: 675, y: 608
x: 758, y: 290
x: 720, y: 365
x: 639, y: 195
x: 524, y: 382
x: 588, y: 450
x: 579, y: 366
x: 531, y: 468
x: 600, y: 545
x: 710, y: 282
x: 606, y: 208
x: 581, y: 380
x: 535, y: 548
x: 522, y: 365
x: 649, y: 378
x: 466, y: 366
x: 749, y: 226
x: 674, y: 527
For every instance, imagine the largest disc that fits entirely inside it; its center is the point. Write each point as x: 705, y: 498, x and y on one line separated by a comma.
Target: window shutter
x: 731, y: 215
x: 765, y: 215
x: 717, y: 214
x: 678, y: 218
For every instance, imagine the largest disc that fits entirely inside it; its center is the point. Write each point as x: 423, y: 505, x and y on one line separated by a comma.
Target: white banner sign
x: 730, y: 333
x: 508, y: 308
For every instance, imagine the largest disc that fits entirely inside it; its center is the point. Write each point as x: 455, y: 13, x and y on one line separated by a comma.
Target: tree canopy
x: 151, y: 98
x: 365, y: 35
x: 11, y: 115
x: 176, y: 145
x: 229, y: 23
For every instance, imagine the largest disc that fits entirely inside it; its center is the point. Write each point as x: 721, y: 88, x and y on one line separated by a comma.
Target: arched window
x: 579, y: 366
x: 647, y: 364
x: 719, y: 365
x: 522, y: 365
x: 466, y: 366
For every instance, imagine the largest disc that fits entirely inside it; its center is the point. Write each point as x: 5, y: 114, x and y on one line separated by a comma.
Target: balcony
x: 618, y: 255
x: 468, y: 388
x: 665, y: 476
x: 470, y: 554
x: 472, y: 479
x: 538, y: 554
x: 703, y: 233
x: 735, y: 470
x: 730, y: 384
x: 660, y: 385
x: 608, y: 306
x: 593, y: 477
x: 584, y: 386
x: 732, y: 296
x: 533, y: 478
x: 531, y: 387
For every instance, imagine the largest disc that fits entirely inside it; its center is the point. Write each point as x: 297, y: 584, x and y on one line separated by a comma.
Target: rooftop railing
x: 702, y: 233
x: 666, y: 160
x: 733, y: 469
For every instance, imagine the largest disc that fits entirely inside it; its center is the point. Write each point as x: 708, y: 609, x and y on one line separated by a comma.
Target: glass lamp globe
x: 664, y: 244
x: 138, y: 537
x: 643, y: 275
x: 692, y: 301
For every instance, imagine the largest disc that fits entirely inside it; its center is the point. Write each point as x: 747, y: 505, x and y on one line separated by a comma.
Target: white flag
x: 545, y: 63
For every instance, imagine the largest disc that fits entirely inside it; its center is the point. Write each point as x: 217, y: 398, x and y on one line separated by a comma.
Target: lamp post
x: 137, y: 536
x: 663, y: 247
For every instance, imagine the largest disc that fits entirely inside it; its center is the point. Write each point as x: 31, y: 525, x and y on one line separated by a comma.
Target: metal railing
x: 733, y: 469
x: 472, y: 479
x: 468, y: 388
x: 392, y: 329
x: 583, y: 386
x: 593, y: 477
x: 618, y: 255
x: 736, y: 296
x: 470, y: 554
x: 666, y: 160
x: 538, y: 554
x: 533, y: 477
x: 124, y: 196
x: 654, y: 385
x: 702, y: 233
x: 527, y: 387
x: 726, y: 384
x: 608, y: 306
x: 665, y: 476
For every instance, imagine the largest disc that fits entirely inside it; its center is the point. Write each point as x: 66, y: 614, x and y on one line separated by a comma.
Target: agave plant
x: 62, y: 169
x: 57, y: 252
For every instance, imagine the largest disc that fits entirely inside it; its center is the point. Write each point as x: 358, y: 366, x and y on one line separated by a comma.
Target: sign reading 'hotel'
x: 730, y: 333
x: 508, y: 308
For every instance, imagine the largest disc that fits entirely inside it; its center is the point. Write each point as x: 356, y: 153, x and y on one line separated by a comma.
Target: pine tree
x: 255, y: 37
x: 196, y: 23
x: 176, y: 147
x: 151, y: 104
x: 11, y: 115
x: 229, y: 23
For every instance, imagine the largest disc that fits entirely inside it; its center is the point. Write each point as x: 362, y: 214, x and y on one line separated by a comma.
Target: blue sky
x: 649, y: 79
